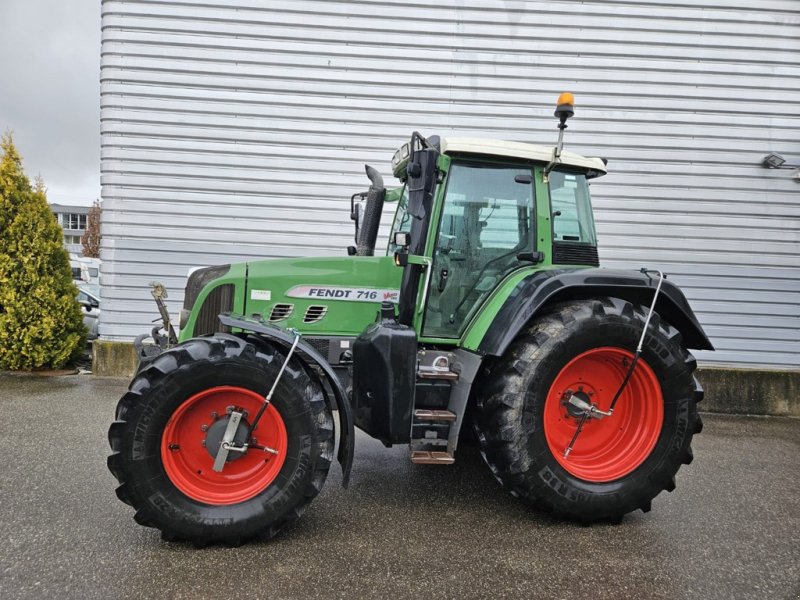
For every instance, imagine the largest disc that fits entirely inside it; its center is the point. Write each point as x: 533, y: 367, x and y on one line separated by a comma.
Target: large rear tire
x: 619, y: 463
x: 176, y: 409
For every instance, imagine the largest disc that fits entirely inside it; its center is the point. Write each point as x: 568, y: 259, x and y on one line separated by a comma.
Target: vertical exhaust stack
x: 368, y: 232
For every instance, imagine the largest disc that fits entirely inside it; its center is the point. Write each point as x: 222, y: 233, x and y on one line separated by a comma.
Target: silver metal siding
x: 238, y: 130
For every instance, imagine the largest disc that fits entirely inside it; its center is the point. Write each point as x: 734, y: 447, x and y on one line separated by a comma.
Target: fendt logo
x: 348, y: 294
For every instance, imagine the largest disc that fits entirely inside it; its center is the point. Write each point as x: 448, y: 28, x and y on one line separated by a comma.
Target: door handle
x: 443, y: 275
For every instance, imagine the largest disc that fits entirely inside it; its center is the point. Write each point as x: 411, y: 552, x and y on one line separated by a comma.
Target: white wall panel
x: 236, y: 130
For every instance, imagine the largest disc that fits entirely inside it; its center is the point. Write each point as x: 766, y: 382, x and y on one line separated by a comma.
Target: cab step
x: 424, y: 414
x: 445, y: 374
x: 428, y: 457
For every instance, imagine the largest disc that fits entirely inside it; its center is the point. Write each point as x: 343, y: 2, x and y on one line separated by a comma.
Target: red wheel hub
x: 188, y: 462
x: 611, y: 447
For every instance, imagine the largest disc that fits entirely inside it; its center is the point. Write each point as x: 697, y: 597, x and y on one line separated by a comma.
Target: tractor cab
x: 490, y: 200
x: 472, y: 215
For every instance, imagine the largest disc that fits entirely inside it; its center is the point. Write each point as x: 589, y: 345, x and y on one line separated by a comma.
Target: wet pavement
x: 731, y: 529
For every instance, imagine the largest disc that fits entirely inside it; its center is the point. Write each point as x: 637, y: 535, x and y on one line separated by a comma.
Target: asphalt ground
x: 731, y: 529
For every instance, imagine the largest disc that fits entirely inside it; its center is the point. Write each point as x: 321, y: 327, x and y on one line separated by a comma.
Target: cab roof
x: 490, y: 147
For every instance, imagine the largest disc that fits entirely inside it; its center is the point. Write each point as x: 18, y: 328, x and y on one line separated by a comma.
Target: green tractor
x: 487, y: 309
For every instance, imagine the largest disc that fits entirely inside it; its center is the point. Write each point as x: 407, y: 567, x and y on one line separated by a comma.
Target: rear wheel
x: 525, y: 422
x: 170, y: 424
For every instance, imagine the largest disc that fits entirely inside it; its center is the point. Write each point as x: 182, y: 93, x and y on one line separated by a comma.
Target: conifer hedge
x: 41, y: 325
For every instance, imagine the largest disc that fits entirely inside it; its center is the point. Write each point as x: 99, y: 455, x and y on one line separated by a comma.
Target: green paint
x: 344, y: 316
x: 544, y: 225
x: 277, y: 278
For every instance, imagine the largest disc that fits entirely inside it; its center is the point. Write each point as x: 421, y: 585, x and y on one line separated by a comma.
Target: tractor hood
x: 321, y: 296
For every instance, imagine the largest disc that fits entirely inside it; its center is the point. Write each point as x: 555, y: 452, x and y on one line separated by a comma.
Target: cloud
x: 51, y: 92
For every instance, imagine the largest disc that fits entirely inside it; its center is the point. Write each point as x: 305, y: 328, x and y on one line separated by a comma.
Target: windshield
x: 402, y: 221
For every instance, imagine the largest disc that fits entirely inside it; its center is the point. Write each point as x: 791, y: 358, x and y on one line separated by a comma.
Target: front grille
x: 220, y: 300
x: 565, y: 253
x: 280, y: 312
x: 321, y: 345
x: 315, y: 313
x: 198, y: 280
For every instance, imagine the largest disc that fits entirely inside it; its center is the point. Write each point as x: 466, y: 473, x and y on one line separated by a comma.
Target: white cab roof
x: 490, y: 147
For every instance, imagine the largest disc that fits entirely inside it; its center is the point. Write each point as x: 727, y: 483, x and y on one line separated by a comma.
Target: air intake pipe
x: 371, y: 221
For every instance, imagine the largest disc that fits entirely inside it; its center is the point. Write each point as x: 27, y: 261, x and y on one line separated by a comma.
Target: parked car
x: 90, y: 306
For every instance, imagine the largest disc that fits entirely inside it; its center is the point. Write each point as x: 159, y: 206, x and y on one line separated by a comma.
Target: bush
x: 41, y: 325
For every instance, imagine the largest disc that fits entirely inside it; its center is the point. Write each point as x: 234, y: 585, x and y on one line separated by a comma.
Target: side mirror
x: 402, y: 239
x: 87, y: 306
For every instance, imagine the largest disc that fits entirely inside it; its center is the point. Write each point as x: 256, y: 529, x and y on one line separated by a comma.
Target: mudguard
x: 545, y: 287
x: 310, y: 357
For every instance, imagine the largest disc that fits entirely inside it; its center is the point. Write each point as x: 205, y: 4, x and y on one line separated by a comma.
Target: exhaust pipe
x: 368, y: 233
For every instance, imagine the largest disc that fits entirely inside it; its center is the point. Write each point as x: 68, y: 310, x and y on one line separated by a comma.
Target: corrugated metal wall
x: 238, y: 129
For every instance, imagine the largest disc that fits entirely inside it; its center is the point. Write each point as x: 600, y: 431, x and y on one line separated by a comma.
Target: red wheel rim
x: 188, y: 463
x: 614, y: 446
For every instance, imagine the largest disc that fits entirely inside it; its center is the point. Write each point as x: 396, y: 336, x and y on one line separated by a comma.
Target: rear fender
x: 310, y: 358
x: 543, y: 288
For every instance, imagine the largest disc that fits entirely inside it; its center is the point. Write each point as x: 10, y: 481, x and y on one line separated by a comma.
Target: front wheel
x: 170, y: 424
x: 529, y: 430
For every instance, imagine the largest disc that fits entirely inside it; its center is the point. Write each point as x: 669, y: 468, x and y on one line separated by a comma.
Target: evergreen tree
x: 91, y: 239
x: 41, y: 325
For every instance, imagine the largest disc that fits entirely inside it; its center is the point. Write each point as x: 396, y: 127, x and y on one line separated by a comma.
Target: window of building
x: 72, y: 221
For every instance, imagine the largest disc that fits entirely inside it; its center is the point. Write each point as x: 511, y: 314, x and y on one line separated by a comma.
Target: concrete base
x: 750, y: 391
x: 736, y: 391
x: 114, y: 359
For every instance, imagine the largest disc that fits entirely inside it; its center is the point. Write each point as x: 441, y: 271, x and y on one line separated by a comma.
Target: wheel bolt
x: 203, y: 427
x: 214, y: 414
x: 174, y: 447
x: 229, y: 409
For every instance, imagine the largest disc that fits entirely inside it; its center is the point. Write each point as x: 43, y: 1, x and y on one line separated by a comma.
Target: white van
x: 80, y: 271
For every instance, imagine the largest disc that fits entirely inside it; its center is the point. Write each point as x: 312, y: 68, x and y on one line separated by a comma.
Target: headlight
x: 184, y: 318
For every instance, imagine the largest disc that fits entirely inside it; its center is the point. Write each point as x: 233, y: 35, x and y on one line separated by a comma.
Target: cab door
x: 486, y: 222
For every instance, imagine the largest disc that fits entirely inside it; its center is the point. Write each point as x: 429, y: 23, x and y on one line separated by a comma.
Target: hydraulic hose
x: 638, y: 352
x: 592, y: 409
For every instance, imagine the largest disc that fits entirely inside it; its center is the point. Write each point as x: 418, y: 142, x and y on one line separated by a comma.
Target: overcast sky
x: 50, y: 92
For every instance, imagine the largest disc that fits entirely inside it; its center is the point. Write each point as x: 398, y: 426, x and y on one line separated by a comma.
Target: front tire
x: 176, y: 407
x: 619, y: 463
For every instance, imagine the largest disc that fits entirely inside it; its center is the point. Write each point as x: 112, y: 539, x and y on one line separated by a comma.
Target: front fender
x: 309, y: 357
x: 541, y: 288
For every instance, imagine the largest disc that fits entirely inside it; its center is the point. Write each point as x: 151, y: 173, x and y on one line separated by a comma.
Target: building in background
x: 234, y: 131
x: 73, y: 221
